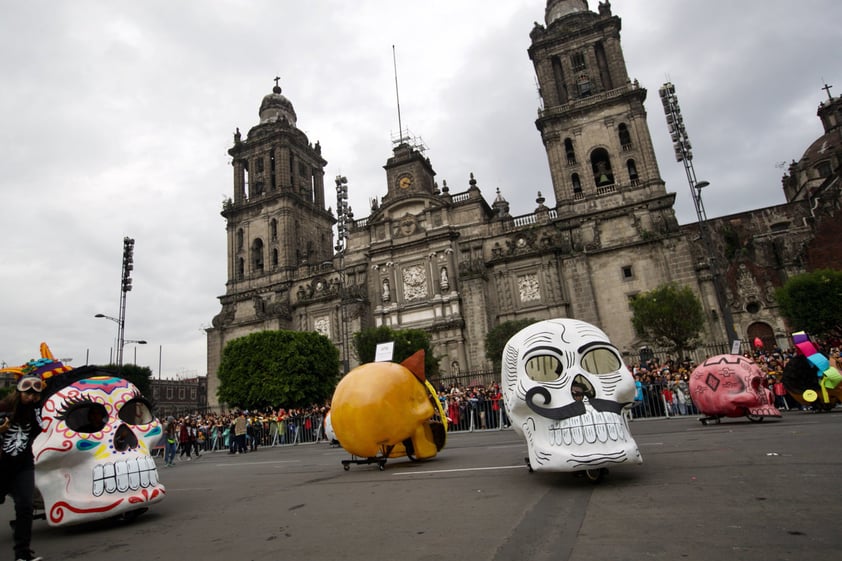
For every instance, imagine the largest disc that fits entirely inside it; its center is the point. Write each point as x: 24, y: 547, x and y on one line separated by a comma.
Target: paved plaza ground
x: 733, y: 491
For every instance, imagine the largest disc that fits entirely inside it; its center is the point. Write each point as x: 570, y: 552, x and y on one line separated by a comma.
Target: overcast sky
x: 117, y: 118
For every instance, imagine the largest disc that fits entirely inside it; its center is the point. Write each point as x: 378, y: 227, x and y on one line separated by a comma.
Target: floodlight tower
x: 343, y: 214
x: 125, y: 287
x: 684, y: 154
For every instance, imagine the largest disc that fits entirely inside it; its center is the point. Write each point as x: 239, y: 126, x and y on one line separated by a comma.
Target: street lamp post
x: 684, y: 153
x: 136, y: 343
x: 118, y: 321
x: 123, y: 342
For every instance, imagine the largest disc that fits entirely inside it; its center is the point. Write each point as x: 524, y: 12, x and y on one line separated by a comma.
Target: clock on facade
x: 405, y: 181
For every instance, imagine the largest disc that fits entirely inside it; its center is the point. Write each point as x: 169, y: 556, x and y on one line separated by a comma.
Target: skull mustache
x: 574, y: 409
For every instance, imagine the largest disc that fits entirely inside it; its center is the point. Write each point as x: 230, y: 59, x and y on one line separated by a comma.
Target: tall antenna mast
x: 397, y: 95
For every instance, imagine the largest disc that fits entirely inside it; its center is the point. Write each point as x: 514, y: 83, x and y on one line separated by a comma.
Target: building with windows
x: 171, y: 397
x: 449, y: 261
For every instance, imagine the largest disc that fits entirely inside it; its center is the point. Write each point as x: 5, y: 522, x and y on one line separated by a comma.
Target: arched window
x: 257, y: 255
x: 632, y: 169
x: 625, y: 137
x: 274, y: 258
x: 601, y: 166
x: 571, y: 153
x: 240, y: 239
x: 241, y: 268
x: 577, y: 184
x: 273, y: 229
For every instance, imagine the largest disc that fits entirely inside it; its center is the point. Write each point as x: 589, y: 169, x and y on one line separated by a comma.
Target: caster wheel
x: 346, y: 467
x: 596, y: 475
x: 755, y: 418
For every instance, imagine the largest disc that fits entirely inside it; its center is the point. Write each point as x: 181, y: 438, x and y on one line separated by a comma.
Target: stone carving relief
x: 414, y: 283
x: 322, y: 326
x: 528, y: 288
x: 747, y: 287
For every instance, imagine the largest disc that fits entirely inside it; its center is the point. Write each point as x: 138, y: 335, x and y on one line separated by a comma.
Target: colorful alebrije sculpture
x: 829, y: 376
x: 385, y: 410
x: 45, y: 367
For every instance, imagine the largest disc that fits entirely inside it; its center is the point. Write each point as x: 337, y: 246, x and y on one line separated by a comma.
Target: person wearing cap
x: 21, y: 423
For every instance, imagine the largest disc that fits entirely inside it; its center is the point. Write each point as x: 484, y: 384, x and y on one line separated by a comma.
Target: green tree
x: 278, y: 368
x: 669, y: 316
x: 496, y: 339
x: 812, y: 302
x: 407, y: 343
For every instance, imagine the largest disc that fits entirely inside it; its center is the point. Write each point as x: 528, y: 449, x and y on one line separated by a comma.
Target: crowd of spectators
x: 663, y: 386
x: 243, y: 431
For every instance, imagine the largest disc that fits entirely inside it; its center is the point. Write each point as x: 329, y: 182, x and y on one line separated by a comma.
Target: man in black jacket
x: 20, y: 424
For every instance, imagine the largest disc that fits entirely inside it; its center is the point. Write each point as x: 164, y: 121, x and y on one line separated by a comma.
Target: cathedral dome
x: 824, y: 148
x: 276, y: 107
x: 557, y: 9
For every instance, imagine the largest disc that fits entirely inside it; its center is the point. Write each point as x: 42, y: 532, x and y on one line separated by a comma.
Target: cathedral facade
x: 456, y: 265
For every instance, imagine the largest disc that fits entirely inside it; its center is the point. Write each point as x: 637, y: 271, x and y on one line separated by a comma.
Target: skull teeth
x: 124, y: 475
x: 592, y: 427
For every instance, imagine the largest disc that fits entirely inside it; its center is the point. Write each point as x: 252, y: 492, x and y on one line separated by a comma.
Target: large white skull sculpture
x: 92, y: 459
x: 565, y: 387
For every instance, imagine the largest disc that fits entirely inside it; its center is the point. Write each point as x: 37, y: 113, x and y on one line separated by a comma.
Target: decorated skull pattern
x: 92, y: 459
x: 731, y: 386
x: 565, y: 388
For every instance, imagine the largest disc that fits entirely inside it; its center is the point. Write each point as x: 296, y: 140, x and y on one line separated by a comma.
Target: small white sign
x: 384, y: 352
x: 735, y: 347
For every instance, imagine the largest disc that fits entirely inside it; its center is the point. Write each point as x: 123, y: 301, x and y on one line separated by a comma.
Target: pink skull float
x: 92, y: 459
x: 565, y: 388
x: 731, y: 386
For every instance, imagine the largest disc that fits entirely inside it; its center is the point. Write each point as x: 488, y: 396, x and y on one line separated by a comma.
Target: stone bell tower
x: 279, y: 230
x: 593, y: 122
x: 277, y: 219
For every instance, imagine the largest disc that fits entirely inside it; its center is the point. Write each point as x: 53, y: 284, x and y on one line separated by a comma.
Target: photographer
x: 20, y: 423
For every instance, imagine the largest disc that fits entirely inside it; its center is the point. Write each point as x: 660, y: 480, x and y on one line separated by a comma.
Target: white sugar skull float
x: 565, y: 388
x: 92, y: 459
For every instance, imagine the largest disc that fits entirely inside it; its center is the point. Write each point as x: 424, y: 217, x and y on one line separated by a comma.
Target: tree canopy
x: 278, y: 369
x: 407, y: 343
x: 496, y: 339
x: 812, y: 302
x: 669, y: 316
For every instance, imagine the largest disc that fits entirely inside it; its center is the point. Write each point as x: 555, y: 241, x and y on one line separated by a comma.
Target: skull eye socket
x: 544, y: 368
x: 86, y: 416
x: 600, y: 361
x: 136, y: 412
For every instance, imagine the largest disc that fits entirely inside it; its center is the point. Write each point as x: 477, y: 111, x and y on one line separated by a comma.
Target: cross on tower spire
x: 827, y: 89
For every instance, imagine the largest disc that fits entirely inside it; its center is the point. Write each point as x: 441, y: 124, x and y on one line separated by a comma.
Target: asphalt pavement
x: 730, y: 491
